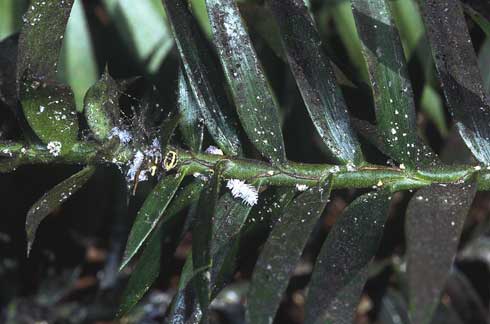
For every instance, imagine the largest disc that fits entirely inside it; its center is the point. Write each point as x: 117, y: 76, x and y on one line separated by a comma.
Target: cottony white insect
x: 213, y: 150
x: 301, y: 187
x: 135, y: 165
x: 54, y: 147
x: 244, y: 191
x: 124, y: 136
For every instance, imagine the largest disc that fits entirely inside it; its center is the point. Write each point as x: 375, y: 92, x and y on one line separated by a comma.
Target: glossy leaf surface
x: 202, y: 240
x: 254, y: 100
x: 202, y: 76
x: 150, y: 213
x: 147, y: 267
x: 315, y: 79
x: 144, y: 274
x: 191, y: 124
x: 458, y: 71
x: 51, y: 113
x: 392, y: 91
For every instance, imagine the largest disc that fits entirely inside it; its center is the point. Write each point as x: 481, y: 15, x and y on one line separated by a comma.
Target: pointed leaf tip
x: 52, y: 200
x: 149, y: 215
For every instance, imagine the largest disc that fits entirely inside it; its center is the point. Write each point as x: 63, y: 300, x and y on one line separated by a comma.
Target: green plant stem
x: 253, y: 171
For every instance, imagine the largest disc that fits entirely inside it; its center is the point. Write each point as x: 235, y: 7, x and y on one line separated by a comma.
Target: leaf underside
x: 341, y: 268
x: 434, y: 222
x: 282, y: 252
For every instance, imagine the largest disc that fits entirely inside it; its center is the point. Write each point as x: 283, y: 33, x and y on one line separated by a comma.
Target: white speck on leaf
x: 301, y: 187
x: 213, y: 150
x: 54, y: 147
x: 124, y: 136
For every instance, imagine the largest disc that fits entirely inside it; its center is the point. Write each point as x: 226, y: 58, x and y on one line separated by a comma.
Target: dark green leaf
x: 147, y: 268
x: 143, y: 27
x: 191, y: 124
x: 202, y: 240
x: 229, y: 218
x: 41, y: 38
x: 392, y: 91
x: 150, y: 213
x: 101, y: 107
x: 144, y: 274
x: 50, y: 111
x: 316, y: 80
x: 282, y: 252
x: 435, y: 218
x: 341, y: 268
x: 201, y: 74
x: 53, y: 199
x: 254, y: 100
x: 78, y: 62
x: 231, y: 214
x: 412, y: 32
x: 458, y: 71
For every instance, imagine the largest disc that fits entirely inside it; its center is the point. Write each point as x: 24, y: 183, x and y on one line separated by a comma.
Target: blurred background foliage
x: 72, y: 276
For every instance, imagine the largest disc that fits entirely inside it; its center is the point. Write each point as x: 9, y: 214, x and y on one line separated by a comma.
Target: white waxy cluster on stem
x: 54, y: 147
x: 124, y: 136
x: 244, y: 191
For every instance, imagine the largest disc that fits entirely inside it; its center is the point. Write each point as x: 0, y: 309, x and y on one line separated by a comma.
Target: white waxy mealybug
x: 244, y: 191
